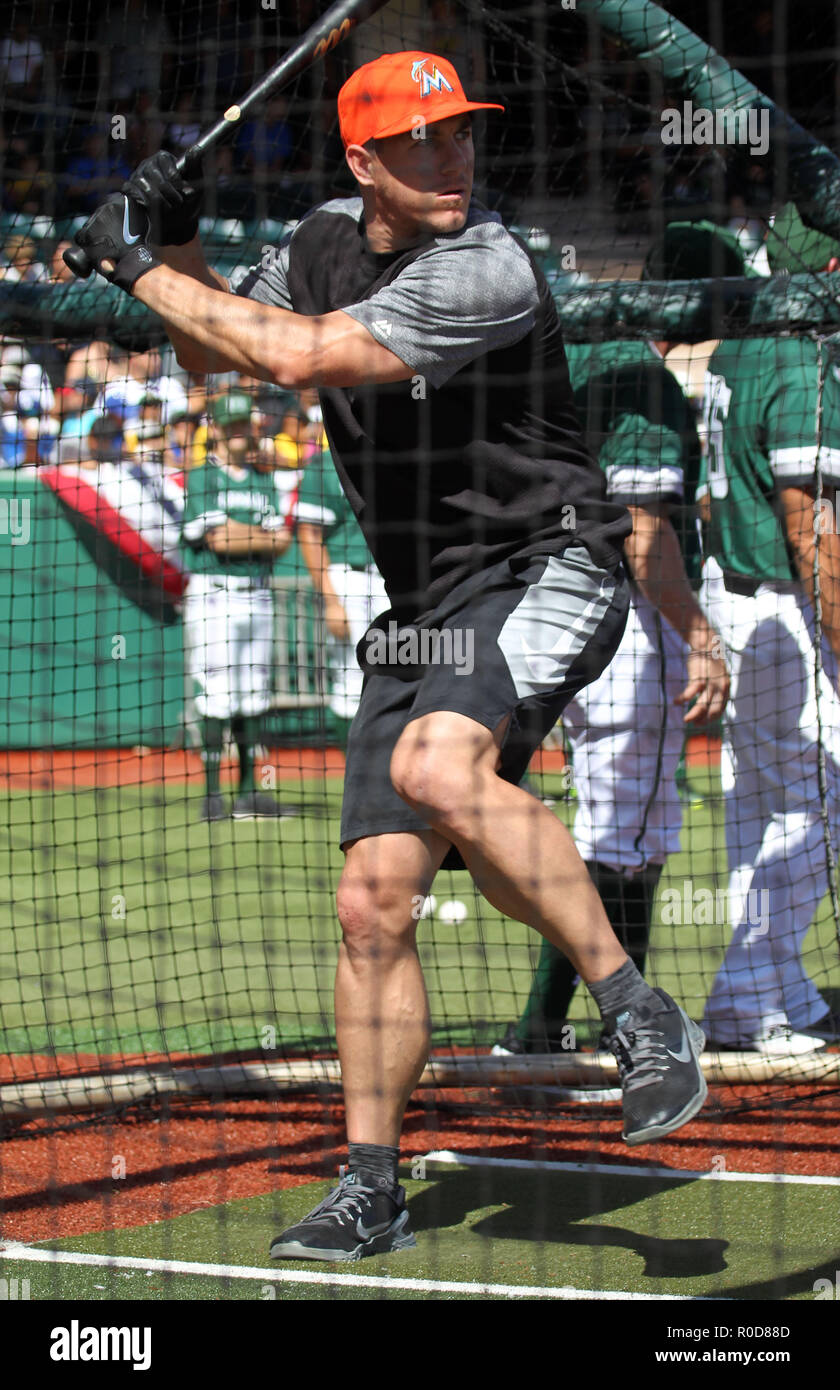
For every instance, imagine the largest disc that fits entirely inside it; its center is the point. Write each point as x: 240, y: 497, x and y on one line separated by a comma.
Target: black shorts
x: 519, y: 639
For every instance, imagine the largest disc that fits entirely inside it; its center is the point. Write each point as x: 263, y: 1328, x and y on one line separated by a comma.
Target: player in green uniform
x: 627, y: 728
x: 342, y: 571
x: 233, y: 530
x: 769, y: 424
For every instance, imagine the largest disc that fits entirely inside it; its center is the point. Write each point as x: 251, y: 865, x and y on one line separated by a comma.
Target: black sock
x: 553, y: 985
x: 628, y: 902
x: 624, y: 990
x: 213, y: 738
x: 246, y: 732
x: 379, y: 1160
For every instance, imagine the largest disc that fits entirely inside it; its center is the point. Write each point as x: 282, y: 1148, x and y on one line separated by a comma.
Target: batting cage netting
x: 187, y: 586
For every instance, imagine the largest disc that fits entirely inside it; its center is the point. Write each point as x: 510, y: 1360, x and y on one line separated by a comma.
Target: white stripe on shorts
x: 556, y: 619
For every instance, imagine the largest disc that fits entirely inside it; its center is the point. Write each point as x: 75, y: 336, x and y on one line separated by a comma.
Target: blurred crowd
x: 71, y: 404
x: 89, y: 91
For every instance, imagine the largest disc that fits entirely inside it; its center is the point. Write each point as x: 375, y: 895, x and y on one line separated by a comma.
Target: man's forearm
x: 219, y: 331
x: 829, y: 587
x: 253, y: 541
x: 656, y: 563
x: 316, y: 559
x: 190, y: 260
x: 808, y: 541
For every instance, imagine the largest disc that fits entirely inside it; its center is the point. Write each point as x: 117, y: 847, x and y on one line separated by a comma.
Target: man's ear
x: 359, y: 161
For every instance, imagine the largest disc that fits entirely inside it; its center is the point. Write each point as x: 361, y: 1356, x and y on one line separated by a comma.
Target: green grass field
x: 525, y: 1234
x: 127, y: 925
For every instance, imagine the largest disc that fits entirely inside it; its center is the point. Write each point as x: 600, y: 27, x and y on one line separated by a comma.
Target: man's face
x: 238, y: 442
x: 423, y: 178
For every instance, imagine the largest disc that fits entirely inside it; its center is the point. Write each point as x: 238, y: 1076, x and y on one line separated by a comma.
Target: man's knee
x: 439, y: 768
x: 375, y: 910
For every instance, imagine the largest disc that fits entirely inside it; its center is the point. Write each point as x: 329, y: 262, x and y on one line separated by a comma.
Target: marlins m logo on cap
x: 434, y: 80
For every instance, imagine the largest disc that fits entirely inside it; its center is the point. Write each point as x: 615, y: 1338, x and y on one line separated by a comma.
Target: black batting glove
x: 115, y: 239
x: 170, y: 200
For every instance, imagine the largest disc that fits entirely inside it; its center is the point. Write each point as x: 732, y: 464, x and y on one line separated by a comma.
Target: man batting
x: 436, y: 346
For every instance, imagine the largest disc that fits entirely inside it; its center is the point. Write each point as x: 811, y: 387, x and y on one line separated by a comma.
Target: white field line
x: 15, y: 1251
x: 625, y: 1170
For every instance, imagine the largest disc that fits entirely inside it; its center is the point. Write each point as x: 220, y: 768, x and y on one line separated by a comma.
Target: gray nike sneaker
x: 662, y: 1083
x: 362, y: 1216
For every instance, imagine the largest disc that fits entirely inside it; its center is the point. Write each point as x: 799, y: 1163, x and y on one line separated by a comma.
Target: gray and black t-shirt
x: 478, y: 457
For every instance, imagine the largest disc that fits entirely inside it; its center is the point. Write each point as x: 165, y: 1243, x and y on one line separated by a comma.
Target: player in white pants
x: 774, y: 828
x: 627, y: 733
x: 628, y: 727
x: 233, y: 529
x: 768, y: 426
x: 343, y: 573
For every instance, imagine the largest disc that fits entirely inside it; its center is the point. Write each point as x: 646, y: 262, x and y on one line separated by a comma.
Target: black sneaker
x: 360, y: 1217
x: 213, y: 808
x: 260, y: 806
x: 662, y: 1083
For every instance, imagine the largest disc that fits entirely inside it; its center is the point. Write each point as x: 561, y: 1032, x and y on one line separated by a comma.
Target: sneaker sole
x: 256, y: 815
x: 693, y: 1106
x: 381, y: 1245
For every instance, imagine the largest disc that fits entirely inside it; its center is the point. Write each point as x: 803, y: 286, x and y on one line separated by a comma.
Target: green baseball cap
x: 695, y: 251
x: 793, y: 246
x: 227, y: 410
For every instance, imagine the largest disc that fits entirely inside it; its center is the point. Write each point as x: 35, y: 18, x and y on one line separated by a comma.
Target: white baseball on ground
x: 452, y: 911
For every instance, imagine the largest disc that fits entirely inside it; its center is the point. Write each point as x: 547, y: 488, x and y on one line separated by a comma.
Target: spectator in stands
x: 139, y: 41
x: 291, y: 441
x: 185, y: 129
x: 19, y: 261
x: 35, y: 394
x: 97, y: 171
x: 60, y: 273
x: 26, y: 436
x: 11, y: 435
x: 147, y: 438
x: 21, y: 59
x: 180, y: 434
x: 28, y: 192
x: 145, y: 128
x: 103, y: 442
x: 73, y: 410
x: 266, y: 144
x: 141, y: 371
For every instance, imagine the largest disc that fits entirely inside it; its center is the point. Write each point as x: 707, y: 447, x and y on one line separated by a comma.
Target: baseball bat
x: 322, y: 36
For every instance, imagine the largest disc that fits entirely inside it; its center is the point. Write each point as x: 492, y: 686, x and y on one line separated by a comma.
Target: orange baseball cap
x: 389, y: 95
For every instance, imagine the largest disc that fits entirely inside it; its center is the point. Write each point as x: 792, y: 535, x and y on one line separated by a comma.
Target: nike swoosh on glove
x: 171, y: 201
x: 115, y: 240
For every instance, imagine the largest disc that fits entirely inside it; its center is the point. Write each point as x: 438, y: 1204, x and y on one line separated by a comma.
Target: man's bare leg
x: 522, y: 858
x: 527, y: 865
x: 381, y: 1009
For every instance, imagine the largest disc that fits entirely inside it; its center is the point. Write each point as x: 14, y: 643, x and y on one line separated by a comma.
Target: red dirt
x: 54, y: 768
x: 202, y: 1155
